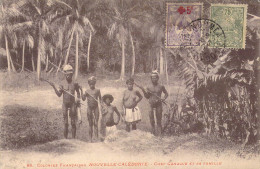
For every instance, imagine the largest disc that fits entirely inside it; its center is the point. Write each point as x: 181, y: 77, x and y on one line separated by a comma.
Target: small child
x: 108, y: 114
x: 92, y: 94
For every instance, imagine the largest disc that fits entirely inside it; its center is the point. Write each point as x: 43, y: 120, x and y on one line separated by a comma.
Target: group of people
x: 97, y: 104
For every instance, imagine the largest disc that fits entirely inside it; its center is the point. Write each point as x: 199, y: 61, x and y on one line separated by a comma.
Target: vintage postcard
x: 129, y: 84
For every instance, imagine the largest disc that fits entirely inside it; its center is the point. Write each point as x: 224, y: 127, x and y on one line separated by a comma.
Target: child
x: 92, y: 94
x: 108, y: 114
x: 130, y: 100
x: 153, y: 94
x: 69, y: 105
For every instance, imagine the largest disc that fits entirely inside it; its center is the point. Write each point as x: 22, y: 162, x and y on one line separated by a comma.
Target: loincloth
x: 132, y: 115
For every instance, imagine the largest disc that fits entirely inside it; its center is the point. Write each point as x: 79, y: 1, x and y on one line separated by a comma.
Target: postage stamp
x: 211, y: 32
x: 232, y: 19
x: 178, y: 16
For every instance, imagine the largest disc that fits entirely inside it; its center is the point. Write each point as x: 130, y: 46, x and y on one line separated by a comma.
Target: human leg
x: 96, y: 118
x: 73, y: 115
x: 65, y: 119
x: 159, y: 119
x: 90, y: 122
x: 134, y: 126
x: 151, y: 115
x: 103, y: 129
x: 127, y: 128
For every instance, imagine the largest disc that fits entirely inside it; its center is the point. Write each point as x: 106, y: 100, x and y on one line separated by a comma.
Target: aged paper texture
x: 129, y: 84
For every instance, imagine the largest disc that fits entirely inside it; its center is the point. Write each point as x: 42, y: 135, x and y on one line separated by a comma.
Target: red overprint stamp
x: 178, y: 17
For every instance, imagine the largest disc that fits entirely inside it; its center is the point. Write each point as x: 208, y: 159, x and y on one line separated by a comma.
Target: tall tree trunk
x: 144, y: 64
x: 12, y: 64
x: 77, y: 56
x: 7, y: 54
x: 151, y: 59
x: 161, y: 62
x: 39, y: 54
x: 122, y: 76
x: 23, y: 56
x: 166, y: 71
x: 133, y: 57
x: 9, y: 58
x: 68, y: 51
x: 47, y: 63
x: 158, y: 60
x: 59, y: 66
x: 33, y: 66
x: 89, y: 42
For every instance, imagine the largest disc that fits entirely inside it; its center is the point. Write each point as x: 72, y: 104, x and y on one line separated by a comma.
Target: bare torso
x: 130, y: 98
x: 92, y: 103
x: 108, y: 113
x: 69, y: 92
x: 156, y: 92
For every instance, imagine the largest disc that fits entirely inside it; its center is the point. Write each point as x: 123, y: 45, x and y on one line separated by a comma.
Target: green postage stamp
x: 232, y: 19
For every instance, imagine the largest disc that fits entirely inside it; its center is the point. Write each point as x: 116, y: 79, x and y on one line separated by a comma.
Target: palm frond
x: 136, y: 23
x: 111, y: 29
x: 45, y: 28
x: 22, y: 26
x: 30, y: 41
x: 2, y: 51
x: 86, y: 21
x: 37, y: 9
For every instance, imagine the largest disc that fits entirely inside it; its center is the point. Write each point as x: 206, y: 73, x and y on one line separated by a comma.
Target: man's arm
x: 146, y: 93
x: 84, y: 96
x: 99, y: 95
x: 117, y: 112
x: 123, y: 100
x: 58, y: 92
x: 77, y: 90
x: 165, y: 93
x: 140, y: 97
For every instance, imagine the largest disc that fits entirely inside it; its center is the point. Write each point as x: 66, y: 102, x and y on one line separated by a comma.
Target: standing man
x: 69, y: 100
x: 93, y: 95
x: 153, y: 94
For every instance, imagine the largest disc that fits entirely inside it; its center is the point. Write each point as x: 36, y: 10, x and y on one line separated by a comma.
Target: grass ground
x: 32, y: 132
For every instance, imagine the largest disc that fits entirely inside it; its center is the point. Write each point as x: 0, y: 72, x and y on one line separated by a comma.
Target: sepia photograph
x: 143, y: 84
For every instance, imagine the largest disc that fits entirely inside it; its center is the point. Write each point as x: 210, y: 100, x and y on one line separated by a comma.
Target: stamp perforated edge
x: 178, y: 3
x: 244, y: 22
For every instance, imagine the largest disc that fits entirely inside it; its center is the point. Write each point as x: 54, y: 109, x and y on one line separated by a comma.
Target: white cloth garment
x: 132, y: 115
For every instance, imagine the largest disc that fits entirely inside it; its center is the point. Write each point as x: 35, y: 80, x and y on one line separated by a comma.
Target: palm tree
x: 157, y: 28
x: 25, y: 39
x: 126, y: 17
x: 40, y: 13
x: 75, y: 16
x: 9, y: 22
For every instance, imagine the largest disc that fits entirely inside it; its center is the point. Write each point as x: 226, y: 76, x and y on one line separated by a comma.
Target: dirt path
x: 121, y: 148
